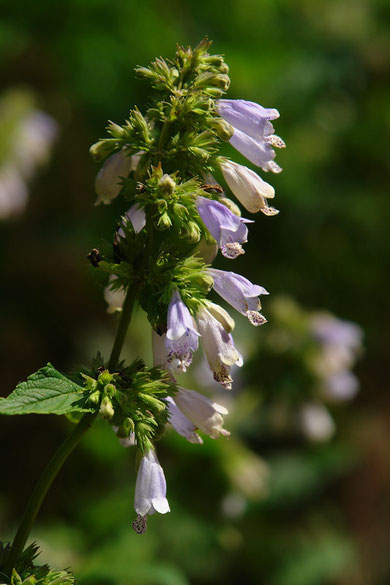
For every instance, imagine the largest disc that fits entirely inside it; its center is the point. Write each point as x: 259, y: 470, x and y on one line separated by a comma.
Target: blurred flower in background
x: 26, y: 139
x: 313, y: 354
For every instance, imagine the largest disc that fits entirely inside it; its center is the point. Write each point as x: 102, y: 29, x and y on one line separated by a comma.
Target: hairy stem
x: 51, y: 471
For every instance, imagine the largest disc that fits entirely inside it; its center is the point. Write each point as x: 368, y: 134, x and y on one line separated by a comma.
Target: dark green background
x: 325, y: 66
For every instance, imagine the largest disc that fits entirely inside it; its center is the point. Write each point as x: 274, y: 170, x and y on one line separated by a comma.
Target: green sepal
x: 46, y: 392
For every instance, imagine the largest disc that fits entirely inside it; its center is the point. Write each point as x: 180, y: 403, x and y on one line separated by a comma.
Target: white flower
x: 114, y: 298
x: 248, y: 187
x: 316, y: 422
x: 108, y: 180
x: 151, y: 487
x: 219, y: 348
x: 182, y: 425
x: 202, y: 412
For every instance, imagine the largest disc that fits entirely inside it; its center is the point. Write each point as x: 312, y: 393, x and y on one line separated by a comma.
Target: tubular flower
x: 219, y: 348
x: 248, y: 187
x: 181, y: 338
x: 150, y: 490
x: 182, y: 425
x: 108, y: 180
x: 114, y: 298
x: 239, y: 292
x: 136, y: 216
x: 202, y: 412
x: 227, y: 228
x: 253, y: 132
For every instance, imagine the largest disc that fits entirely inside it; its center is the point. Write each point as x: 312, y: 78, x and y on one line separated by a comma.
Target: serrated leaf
x: 46, y: 392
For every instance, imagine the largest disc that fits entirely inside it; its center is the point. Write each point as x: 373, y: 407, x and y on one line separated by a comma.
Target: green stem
x: 51, y: 471
x: 42, y: 488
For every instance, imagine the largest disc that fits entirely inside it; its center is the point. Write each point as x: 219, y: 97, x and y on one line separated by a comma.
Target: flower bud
x: 192, y: 232
x: 94, y: 397
x: 31, y: 580
x: 101, y: 149
x: 106, y: 410
x: 206, y: 250
x: 166, y: 185
x: 223, y: 129
x: 115, y: 130
x: 180, y: 210
x: 222, y: 81
x: 164, y: 222
x: 222, y: 316
x: 109, y: 390
x: 123, y: 431
x: 105, y: 378
x: 233, y: 207
x: 15, y: 579
x: 214, y: 93
x: 224, y: 68
x: 162, y: 205
x: 201, y: 152
x: 152, y: 402
x: 204, y: 280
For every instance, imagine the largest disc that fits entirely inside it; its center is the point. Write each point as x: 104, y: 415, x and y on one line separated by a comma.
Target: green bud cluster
x: 181, y: 129
x: 132, y: 400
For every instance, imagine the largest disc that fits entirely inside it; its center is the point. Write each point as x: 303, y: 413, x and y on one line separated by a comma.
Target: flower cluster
x: 162, y: 163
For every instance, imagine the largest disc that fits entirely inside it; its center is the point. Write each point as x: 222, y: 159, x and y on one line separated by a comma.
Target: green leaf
x: 46, y: 392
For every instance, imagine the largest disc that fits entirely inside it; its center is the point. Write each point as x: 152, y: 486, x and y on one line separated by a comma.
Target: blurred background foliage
x: 269, y: 505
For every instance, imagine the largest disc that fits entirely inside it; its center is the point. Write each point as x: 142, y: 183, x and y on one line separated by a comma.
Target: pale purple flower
x: 332, y: 331
x: 205, y: 414
x: 108, y: 183
x: 136, y: 216
x: 13, y: 191
x: 182, y: 337
x: 182, y: 425
x: 253, y: 132
x: 248, y: 187
x: 227, y: 228
x: 341, y: 342
x: 341, y: 386
x: 239, y: 292
x: 219, y: 348
x: 150, y: 489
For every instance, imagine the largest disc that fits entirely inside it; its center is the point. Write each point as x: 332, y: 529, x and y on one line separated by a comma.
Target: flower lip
x: 181, y: 338
x: 227, y: 228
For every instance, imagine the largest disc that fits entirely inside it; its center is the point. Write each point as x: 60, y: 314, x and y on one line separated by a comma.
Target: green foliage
x: 46, y: 392
x: 27, y: 572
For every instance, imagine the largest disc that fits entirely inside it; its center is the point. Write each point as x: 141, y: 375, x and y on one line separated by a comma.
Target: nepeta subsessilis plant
x: 161, y: 163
